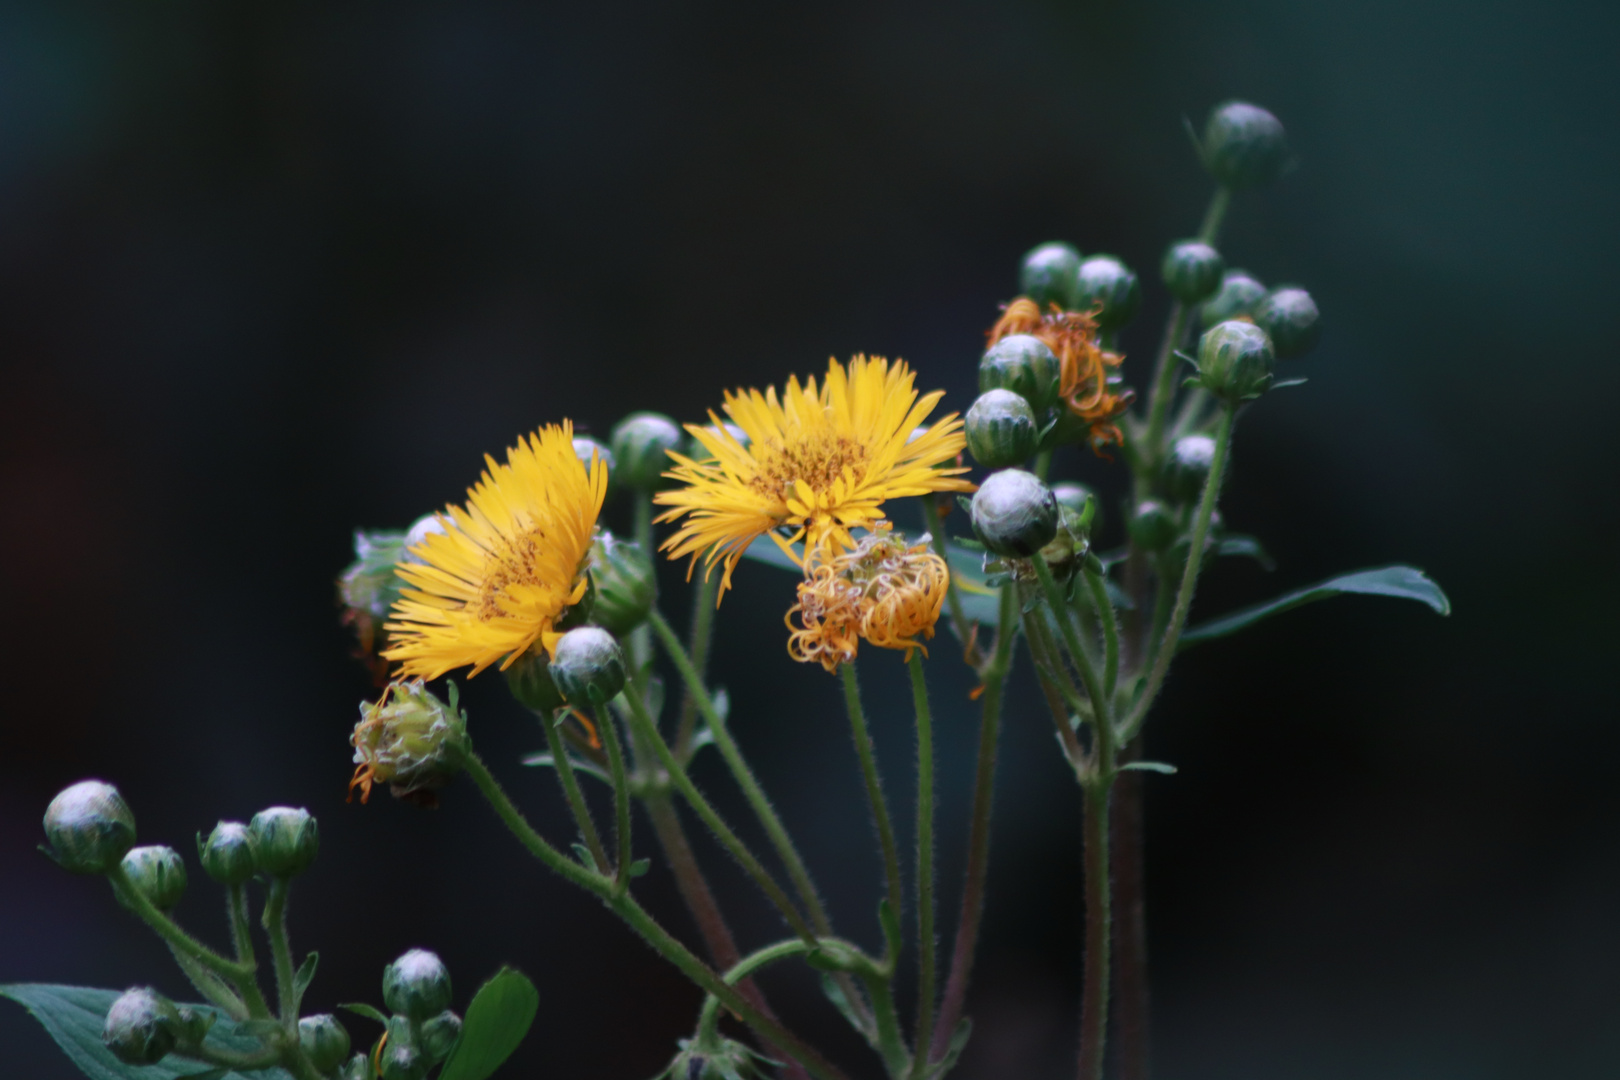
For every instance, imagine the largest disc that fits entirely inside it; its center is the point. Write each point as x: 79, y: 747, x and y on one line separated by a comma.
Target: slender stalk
x: 709, y: 1015
x: 576, y: 798
x: 689, y: 879
x: 242, y: 934
x: 1043, y: 462
x: 978, y: 845
x: 274, y: 921
x: 210, y: 985
x: 703, y: 595
x: 1110, y: 629
x: 649, y: 733
x: 609, y: 727
x: 1189, y: 577
x: 1102, y: 708
x: 874, y: 789
x: 1131, y: 999
x: 1215, y: 215
x: 1094, y: 1003
x: 231, y: 1059
x: 1164, y: 388
x: 927, y: 947
x: 1060, y: 698
x: 891, y: 1043
x: 960, y: 625
x: 169, y: 931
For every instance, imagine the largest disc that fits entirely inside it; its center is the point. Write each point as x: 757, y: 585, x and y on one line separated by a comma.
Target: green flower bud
x: 588, y: 666
x: 439, y: 1035
x: 88, y: 827
x: 1235, y: 360
x: 1049, y: 275
x: 1239, y: 294
x: 1001, y: 429
x: 1192, y: 270
x: 324, y: 1041
x: 417, y: 985
x: 717, y: 1059
x: 284, y: 841
x: 408, y: 739
x: 402, y: 1061
x: 157, y: 873
x: 142, y: 1027
x: 1105, y: 280
x: 1290, y: 317
x: 1023, y: 364
x: 1244, y: 145
x: 356, y: 1068
x: 423, y: 527
x: 529, y: 679
x: 1153, y: 526
x: 641, y: 445
x: 585, y: 446
x: 1187, y: 467
x: 369, y: 586
x: 1073, y: 496
x: 1014, y: 514
x: 626, y: 585
x: 227, y: 854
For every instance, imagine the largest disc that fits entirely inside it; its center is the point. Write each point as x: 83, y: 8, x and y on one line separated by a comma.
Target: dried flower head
x: 1088, y: 372
x: 884, y: 592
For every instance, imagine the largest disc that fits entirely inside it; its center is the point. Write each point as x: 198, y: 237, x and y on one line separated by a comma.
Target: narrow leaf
x: 1237, y: 544
x: 370, y: 1012
x: 1283, y: 384
x: 1150, y: 766
x: 835, y: 994
x: 497, y: 1019
x: 1402, y: 582
x: 640, y: 867
x: 588, y: 768
x: 305, y: 975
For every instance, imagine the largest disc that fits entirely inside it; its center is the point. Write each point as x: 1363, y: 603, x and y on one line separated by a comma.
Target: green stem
x: 891, y: 1043
x: 1061, y: 698
x: 927, y: 976
x: 677, y: 773
x: 1043, y: 463
x: 242, y: 934
x: 1189, y: 577
x: 960, y: 625
x: 274, y: 920
x: 703, y: 596
x: 1094, y: 1003
x: 169, y: 931
x: 210, y: 985
x: 536, y: 844
x: 978, y: 846
x: 1215, y: 215
x: 231, y: 1059
x: 1110, y: 629
x: 621, y: 796
x: 576, y: 798
x: 1101, y: 707
x: 1164, y: 388
x: 709, y: 1016
x: 689, y: 879
x: 874, y: 792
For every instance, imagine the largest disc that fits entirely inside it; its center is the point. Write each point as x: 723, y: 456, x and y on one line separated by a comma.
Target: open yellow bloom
x: 499, y: 577
x: 884, y: 592
x: 819, y: 459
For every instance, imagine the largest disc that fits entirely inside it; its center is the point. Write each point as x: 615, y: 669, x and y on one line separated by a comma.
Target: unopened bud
x: 1153, y: 526
x: 641, y: 444
x: 284, y: 841
x: 157, y: 873
x: 626, y: 586
x: 142, y: 1027
x: 529, y: 680
x: 1238, y: 295
x: 227, y: 854
x: 588, y: 666
x: 88, y: 827
x: 417, y: 985
x: 1235, y: 361
x: 324, y: 1041
x: 402, y: 1061
x: 439, y: 1035
x: 408, y: 739
x: 1244, y: 145
x: 1001, y: 429
x: 586, y: 447
x: 357, y: 1067
x: 1049, y: 274
x: 1187, y: 467
x: 1014, y: 514
x: 1290, y: 317
x: 1026, y: 366
x: 1109, y: 285
x: 1192, y: 270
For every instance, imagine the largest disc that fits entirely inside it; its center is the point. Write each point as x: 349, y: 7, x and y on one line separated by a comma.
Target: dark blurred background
x: 269, y: 272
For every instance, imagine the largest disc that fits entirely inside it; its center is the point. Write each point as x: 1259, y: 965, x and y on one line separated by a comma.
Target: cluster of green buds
x: 422, y: 1031
x: 143, y: 1027
x: 716, y: 1058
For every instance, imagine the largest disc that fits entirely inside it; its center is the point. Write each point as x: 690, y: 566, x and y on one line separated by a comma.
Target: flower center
x: 819, y: 460
x: 511, y: 562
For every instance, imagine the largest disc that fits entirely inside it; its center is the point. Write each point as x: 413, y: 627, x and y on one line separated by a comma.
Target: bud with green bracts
x: 1063, y: 554
x: 641, y: 443
x: 1240, y: 293
x: 1048, y: 275
x: 586, y: 447
x: 157, y: 873
x: 626, y: 586
x: 1001, y: 429
x: 88, y: 828
x: 1153, y: 526
x: 1187, y: 467
x: 1109, y: 286
x: 529, y: 680
x: 142, y: 1027
x: 402, y: 1061
x: 1289, y: 316
x: 439, y: 1035
x: 324, y: 1041
x: 417, y: 985
x: 227, y: 854
x: 1074, y: 496
x: 1023, y: 364
x: 1235, y: 361
x: 588, y: 666
x: 713, y: 1058
x: 1014, y: 514
x: 1244, y: 145
x: 1192, y: 270
x: 284, y: 841
x: 409, y: 739
x: 369, y: 585
x: 357, y: 1068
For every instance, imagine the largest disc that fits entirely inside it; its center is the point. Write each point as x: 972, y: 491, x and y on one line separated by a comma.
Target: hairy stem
x: 927, y: 975
x: 576, y: 798
x: 1164, y: 392
x: 169, y: 931
x: 1110, y: 629
x: 703, y: 596
x: 236, y: 906
x: 274, y: 921
x: 1094, y: 1003
x: 960, y: 626
x: 874, y: 789
x: 621, y: 797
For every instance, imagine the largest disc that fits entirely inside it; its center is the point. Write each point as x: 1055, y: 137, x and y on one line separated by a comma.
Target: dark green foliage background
x: 269, y: 272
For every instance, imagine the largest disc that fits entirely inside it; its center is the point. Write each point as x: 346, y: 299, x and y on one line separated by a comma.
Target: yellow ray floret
x: 821, y: 460
x: 497, y: 579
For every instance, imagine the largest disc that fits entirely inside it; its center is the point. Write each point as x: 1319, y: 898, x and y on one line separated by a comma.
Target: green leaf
x: 370, y: 1012
x: 835, y: 994
x: 74, y: 1015
x: 305, y: 975
x: 959, y: 1038
x: 1150, y: 766
x: 1403, y: 582
x: 1237, y: 544
x: 581, y: 766
x: 497, y: 1019
x: 640, y: 867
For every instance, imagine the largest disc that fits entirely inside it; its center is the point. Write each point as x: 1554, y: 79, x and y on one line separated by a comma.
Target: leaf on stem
x: 1402, y: 582
x: 1150, y: 766
x: 305, y: 975
x: 835, y: 994
x: 546, y: 761
x: 360, y: 1008
x: 1240, y: 545
x: 497, y: 1019
x: 959, y: 1038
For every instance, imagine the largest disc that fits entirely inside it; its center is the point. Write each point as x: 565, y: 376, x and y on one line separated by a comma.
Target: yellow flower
x: 496, y: 580
x: 819, y: 459
x: 883, y: 591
